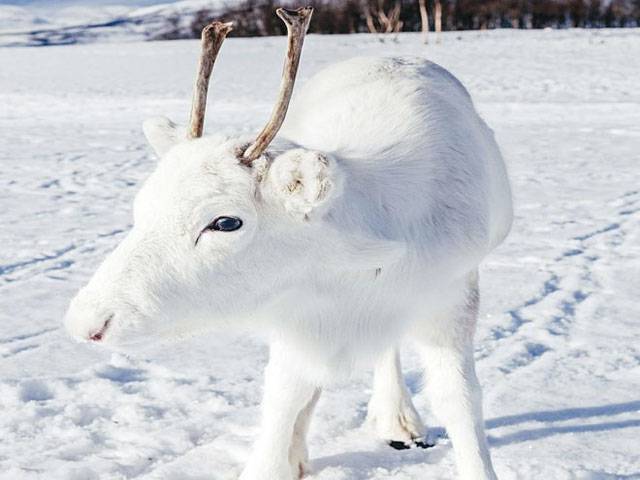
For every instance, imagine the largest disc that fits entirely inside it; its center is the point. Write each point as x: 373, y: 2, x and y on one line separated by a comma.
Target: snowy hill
x: 558, y: 343
x: 69, y: 22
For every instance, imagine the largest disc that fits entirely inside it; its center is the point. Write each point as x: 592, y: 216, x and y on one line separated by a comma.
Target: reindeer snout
x: 99, y: 334
x: 87, y: 320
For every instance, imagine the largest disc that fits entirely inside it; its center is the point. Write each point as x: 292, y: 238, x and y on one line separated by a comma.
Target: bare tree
x: 424, y: 20
x: 255, y: 17
x: 383, y: 19
x: 438, y: 20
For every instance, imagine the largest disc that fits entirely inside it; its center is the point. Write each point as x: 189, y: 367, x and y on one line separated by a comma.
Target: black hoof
x: 423, y: 444
x: 398, y: 445
x: 417, y: 442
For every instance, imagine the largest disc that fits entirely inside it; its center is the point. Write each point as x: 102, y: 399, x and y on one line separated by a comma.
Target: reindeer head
x: 222, y: 227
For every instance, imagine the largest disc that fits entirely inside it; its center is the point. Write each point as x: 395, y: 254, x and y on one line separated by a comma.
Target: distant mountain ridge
x: 36, y: 23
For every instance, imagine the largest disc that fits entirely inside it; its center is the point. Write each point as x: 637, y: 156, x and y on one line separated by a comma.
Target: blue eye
x: 222, y: 224
x: 225, y: 224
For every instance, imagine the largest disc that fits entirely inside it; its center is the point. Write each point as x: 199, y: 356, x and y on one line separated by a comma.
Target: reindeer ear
x: 303, y: 182
x: 162, y: 134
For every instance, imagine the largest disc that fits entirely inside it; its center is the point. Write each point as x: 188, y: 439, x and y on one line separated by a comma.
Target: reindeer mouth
x: 99, y: 335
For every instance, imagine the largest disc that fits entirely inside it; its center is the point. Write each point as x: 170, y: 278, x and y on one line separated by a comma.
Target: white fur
x: 364, y: 224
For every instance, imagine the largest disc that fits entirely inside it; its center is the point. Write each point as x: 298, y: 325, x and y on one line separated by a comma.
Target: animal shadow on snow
x: 383, y: 458
x: 122, y: 375
x: 391, y: 458
x: 563, y: 415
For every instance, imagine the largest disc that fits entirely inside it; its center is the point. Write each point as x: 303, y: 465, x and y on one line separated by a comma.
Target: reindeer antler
x: 297, y: 22
x: 212, y: 37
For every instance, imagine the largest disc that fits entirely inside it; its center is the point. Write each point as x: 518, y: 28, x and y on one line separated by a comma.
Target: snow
x: 558, y: 345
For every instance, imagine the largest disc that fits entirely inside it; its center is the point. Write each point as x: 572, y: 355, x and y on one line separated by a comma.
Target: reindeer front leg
x: 286, y: 407
x: 391, y: 412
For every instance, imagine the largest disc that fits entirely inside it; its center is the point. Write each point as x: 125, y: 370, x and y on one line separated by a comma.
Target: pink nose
x: 99, y: 335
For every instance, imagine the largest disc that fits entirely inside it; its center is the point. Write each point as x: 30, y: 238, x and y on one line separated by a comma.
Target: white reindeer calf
x: 362, y: 224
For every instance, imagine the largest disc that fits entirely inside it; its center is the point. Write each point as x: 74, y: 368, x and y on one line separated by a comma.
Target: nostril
x: 99, y: 335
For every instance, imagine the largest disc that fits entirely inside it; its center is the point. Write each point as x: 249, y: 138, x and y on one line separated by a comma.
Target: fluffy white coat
x: 364, y: 224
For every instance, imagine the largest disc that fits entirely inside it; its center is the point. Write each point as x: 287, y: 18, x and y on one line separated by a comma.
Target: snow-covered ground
x: 558, y: 346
